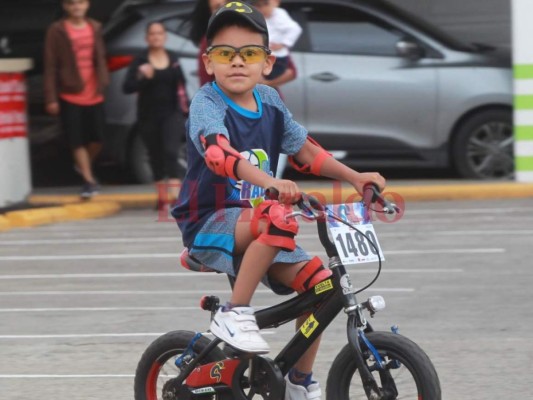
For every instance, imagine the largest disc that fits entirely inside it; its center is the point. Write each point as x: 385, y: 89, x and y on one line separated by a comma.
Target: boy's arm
x: 331, y: 168
x: 226, y: 161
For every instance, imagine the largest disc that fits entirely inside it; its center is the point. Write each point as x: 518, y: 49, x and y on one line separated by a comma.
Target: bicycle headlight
x: 375, y: 303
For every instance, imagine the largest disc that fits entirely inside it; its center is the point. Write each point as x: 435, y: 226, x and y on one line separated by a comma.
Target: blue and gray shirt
x: 259, y: 136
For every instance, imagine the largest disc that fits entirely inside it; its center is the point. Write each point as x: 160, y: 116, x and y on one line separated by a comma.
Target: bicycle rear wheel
x: 157, y: 365
x: 413, y: 374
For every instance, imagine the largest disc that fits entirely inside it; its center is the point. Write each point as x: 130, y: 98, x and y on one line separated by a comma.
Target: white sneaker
x: 300, y: 392
x: 238, y: 328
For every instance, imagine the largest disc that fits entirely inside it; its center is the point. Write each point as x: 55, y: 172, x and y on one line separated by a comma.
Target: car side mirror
x: 409, y: 49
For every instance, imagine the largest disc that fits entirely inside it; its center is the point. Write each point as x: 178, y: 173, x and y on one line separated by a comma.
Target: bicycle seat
x: 191, y: 263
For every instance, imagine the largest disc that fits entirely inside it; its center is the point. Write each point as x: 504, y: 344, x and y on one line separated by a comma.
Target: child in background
x: 283, y: 32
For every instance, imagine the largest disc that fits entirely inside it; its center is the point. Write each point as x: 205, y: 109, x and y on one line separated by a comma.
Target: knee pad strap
x: 279, y: 232
x: 311, y: 273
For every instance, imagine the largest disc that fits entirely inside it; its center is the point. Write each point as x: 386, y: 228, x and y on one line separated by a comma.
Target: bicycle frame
x: 322, y: 304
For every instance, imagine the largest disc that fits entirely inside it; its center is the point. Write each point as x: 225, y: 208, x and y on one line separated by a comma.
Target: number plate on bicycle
x: 354, y: 246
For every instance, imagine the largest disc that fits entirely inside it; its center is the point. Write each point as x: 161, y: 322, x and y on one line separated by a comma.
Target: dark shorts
x: 214, y: 244
x: 82, y: 124
x: 280, y: 66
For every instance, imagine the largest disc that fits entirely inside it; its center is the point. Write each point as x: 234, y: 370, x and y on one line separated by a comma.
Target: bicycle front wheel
x: 413, y: 375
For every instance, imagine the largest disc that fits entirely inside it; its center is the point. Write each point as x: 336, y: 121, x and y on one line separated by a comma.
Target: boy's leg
x: 256, y: 261
x: 286, y: 274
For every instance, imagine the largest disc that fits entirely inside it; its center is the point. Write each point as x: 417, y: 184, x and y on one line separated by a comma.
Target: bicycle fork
x: 372, y: 390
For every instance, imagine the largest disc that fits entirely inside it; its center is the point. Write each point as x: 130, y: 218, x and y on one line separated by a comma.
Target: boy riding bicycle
x: 236, y: 130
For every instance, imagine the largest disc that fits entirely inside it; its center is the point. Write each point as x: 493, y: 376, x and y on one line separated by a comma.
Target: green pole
x: 523, y: 88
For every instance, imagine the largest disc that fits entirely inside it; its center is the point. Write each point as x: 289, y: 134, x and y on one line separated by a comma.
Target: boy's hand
x: 364, y: 178
x: 289, y: 192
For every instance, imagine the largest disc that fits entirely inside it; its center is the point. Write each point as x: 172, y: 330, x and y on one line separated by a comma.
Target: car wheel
x: 139, y: 161
x: 483, y: 146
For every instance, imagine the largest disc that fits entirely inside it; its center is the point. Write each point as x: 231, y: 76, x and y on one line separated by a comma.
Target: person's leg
x: 83, y: 162
x: 256, y: 261
x: 173, y: 133
x: 286, y: 274
x: 254, y: 239
x: 73, y: 119
x: 94, y: 149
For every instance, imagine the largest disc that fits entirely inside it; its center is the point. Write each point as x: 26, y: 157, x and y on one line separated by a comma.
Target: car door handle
x: 325, y: 77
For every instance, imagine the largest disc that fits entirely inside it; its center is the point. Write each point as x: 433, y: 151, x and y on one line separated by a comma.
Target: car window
x: 344, y: 30
x: 178, y: 26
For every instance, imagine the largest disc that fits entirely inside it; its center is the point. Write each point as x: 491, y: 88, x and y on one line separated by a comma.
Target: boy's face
x: 76, y: 8
x: 237, y: 77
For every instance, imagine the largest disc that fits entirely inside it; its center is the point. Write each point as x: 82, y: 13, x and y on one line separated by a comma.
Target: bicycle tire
x: 414, y: 379
x: 159, y: 357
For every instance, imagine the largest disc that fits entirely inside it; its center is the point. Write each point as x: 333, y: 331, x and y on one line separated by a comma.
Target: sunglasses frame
x: 238, y: 51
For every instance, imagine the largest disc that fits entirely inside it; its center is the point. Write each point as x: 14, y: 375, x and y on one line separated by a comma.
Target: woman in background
x: 158, y: 79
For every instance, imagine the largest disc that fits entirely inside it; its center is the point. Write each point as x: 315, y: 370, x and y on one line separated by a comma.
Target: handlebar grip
x: 271, y: 193
x: 372, y: 194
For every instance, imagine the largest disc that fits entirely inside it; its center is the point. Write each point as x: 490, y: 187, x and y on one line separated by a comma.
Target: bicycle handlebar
x: 371, y: 194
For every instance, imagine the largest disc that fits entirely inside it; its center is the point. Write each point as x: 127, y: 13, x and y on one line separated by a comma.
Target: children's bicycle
x: 183, y: 365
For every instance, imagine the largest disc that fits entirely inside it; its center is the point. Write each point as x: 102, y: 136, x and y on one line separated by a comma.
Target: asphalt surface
x: 80, y: 301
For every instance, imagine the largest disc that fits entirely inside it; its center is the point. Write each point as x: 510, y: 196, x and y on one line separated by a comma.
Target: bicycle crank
x: 258, y: 376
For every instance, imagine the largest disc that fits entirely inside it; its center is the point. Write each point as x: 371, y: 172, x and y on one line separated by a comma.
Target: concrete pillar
x: 523, y: 88
x: 15, y: 176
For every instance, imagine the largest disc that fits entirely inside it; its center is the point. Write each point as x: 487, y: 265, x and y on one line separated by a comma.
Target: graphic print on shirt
x: 243, y: 190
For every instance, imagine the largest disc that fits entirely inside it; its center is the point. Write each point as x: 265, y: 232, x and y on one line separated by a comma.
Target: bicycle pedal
x: 209, y: 303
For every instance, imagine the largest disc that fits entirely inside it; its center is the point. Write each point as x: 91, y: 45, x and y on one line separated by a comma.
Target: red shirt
x: 83, y: 46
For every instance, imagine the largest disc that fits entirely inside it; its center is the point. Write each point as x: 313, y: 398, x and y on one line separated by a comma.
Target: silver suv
x: 376, y: 86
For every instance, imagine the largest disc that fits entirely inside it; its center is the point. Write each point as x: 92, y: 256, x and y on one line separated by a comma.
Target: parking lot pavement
x: 80, y: 301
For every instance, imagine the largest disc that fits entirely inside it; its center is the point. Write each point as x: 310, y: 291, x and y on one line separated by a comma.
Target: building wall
x: 485, y: 21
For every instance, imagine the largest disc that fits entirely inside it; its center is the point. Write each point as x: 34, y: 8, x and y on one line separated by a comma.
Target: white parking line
x: 43, y: 376
x: 103, y: 335
x: 81, y: 336
x: 159, y: 292
x: 78, y: 257
x: 205, y: 275
x: 430, y: 251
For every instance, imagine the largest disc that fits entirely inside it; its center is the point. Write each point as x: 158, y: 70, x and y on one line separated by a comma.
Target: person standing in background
x: 75, y: 76
x: 157, y: 77
x: 199, y: 18
x: 283, y: 32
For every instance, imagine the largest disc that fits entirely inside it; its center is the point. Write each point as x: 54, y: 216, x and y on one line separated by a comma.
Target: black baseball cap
x: 233, y: 11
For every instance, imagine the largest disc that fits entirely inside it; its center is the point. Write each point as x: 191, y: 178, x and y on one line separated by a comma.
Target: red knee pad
x: 279, y: 232
x: 311, y: 273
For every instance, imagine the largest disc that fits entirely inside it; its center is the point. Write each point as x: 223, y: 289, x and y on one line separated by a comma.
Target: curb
x: 49, y: 215
x: 107, y: 204
x: 469, y: 191
x: 337, y: 193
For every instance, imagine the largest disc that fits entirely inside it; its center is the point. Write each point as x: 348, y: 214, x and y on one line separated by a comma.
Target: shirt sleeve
x: 294, y: 134
x: 206, y: 117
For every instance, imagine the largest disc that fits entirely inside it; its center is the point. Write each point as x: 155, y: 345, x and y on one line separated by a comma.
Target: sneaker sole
x: 238, y: 345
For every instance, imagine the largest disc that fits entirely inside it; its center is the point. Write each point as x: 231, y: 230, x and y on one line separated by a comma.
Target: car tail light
x: 114, y: 63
